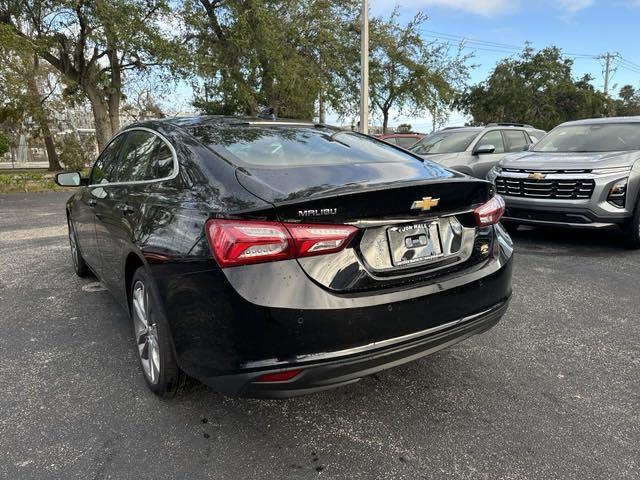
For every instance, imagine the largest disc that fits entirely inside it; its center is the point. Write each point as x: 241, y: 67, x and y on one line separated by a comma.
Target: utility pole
x: 364, y: 68
x: 607, y: 57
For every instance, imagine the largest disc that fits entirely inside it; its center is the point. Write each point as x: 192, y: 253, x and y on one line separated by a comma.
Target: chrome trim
x: 380, y: 344
x: 176, y: 164
x: 399, y: 221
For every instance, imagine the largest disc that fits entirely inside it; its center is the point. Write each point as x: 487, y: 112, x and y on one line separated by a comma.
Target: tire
x: 79, y: 265
x: 152, y: 339
x: 511, y: 228
x: 631, y: 229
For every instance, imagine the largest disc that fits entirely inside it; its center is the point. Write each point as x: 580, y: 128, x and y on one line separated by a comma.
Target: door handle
x: 125, y: 209
x: 92, y: 203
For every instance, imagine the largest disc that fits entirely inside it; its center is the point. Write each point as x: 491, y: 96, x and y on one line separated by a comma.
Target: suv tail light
x: 490, y: 213
x: 242, y: 242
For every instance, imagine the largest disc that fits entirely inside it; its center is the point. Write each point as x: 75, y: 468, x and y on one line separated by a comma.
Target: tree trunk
x: 101, y: 118
x: 321, y: 108
x: 52, y: 156
x: 385, y: 120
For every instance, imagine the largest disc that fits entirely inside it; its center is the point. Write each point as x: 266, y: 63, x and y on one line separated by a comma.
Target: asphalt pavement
x: 553, y: 391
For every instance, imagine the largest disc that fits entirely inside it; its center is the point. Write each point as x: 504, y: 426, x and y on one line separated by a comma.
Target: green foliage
x: 629, y: 102
x: 285, y: 54
x: 76, y: 154
x: 409, y: 75
x: 537, y: 88
x: 4, y: 144
x: 26, y: 182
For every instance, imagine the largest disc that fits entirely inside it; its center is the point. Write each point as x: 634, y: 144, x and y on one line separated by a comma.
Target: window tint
x: 162, y: 163
x: 406, y: 142
x: 104, y: 165
x: 516, y: 141
x: 602, y: 137
x: 284, y: 146
x: 134, y: 164
x: 445, y: 142
x: 494, y: 138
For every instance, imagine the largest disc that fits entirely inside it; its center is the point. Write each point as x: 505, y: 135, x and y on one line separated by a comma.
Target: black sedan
x: 273, y: 258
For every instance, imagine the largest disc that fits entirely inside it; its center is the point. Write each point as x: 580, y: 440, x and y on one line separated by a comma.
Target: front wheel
x: 632, y: 229
x: 511, y: 228
x: 153, y: 342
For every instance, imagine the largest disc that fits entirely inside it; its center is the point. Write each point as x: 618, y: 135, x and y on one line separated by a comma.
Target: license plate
x: 414, y: 243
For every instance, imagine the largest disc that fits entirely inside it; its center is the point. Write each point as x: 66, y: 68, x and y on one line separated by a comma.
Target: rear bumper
x: 329, y: 370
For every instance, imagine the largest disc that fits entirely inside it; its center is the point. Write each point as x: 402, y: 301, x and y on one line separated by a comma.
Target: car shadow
x: 573, y: 240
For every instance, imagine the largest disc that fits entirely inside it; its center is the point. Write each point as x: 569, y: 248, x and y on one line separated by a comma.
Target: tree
x: 94, y: 45
x: 629, y: 101
x: 26, y: 94
x: 282, y: 54
x: 4, y: 144
x: 409, y: 75
x: 535, y: 88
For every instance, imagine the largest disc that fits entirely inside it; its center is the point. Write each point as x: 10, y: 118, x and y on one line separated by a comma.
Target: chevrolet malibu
x: 272, y: 258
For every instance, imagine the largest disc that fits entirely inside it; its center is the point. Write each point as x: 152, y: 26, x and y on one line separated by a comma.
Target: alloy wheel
x: 146, y: 333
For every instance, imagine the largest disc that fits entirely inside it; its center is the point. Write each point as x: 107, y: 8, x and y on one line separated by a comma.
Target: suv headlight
x: 618, y: 193
x: 493, y: 174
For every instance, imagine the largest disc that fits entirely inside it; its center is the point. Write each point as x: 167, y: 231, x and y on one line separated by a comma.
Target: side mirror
x: 530, y: 147
x: 484, y: 149
x: 68, y: 179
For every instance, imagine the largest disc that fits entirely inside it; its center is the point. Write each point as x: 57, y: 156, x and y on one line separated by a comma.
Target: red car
x: 404, y: 140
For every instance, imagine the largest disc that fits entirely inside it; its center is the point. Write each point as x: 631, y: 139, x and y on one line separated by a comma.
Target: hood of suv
x: 569, y: 161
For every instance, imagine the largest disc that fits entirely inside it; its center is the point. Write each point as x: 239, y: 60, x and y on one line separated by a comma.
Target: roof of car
x: 596, y: 121
x: 230, y: 119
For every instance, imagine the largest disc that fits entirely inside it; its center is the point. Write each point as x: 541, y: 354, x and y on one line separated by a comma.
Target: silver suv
x: 583, y: 174
x: 475, y: 150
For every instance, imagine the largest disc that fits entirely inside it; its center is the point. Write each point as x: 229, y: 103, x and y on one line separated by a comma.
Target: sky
x: 496, y: 29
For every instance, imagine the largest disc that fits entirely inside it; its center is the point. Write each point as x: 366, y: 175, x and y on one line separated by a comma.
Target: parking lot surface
x: 553, y: 391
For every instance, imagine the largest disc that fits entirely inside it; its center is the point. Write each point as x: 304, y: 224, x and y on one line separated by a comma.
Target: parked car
x: 473, y: 150
x: 582, y: 174
x: 278, y: 258
x: 404, y: 140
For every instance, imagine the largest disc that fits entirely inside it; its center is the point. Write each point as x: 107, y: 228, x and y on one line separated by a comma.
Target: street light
x: 364, y: 68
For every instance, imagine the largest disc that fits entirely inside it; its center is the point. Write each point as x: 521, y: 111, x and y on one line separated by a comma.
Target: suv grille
x: 524, y: 187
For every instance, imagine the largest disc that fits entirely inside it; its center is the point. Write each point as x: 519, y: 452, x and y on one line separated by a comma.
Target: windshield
x: 604, y: 137
x: 286, y: 146
x: 444, y: 142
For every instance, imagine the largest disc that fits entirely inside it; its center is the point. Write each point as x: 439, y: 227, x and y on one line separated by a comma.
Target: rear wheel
x: 79, y: 265
x: 153, y: 342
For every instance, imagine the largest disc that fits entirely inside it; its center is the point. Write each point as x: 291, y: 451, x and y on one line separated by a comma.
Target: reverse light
x: 243, y: 242
x: 283, y: 376
x: 490, y: 213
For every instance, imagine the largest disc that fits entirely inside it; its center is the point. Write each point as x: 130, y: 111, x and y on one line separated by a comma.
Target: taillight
x: 490, y: 213
x: 283, y: 376
x: 242, y: 242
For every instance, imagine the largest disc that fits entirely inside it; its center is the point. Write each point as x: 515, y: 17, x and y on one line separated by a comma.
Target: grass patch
x: 16, y: 182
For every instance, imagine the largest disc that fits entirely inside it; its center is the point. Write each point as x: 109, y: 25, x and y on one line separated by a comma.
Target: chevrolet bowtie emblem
x: 425, y: 204
x: 537, y: 176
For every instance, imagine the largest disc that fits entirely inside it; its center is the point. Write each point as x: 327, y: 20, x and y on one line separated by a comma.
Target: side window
x: 494, y: 137
x: 101, y: 171
x: 516, y: 140
x: 135, y: 159
x: 162, y: 163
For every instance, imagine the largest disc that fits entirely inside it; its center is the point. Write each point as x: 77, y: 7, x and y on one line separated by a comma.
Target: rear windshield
x: 286, y: 146
x: 444, y: 142
x: 604, y: 137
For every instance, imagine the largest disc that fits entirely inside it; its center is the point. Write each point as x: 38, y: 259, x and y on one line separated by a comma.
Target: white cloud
x: 573, y: 6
